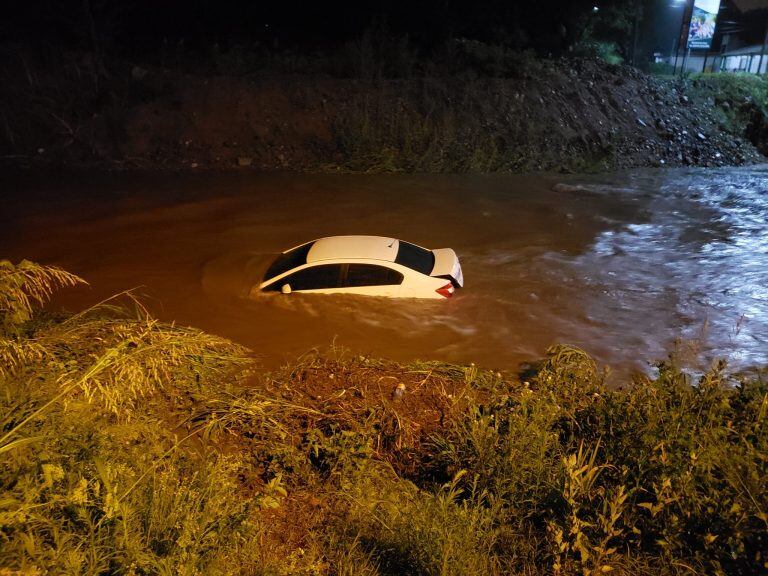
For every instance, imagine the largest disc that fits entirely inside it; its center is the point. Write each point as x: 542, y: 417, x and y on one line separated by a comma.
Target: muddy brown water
x: 619, y: 264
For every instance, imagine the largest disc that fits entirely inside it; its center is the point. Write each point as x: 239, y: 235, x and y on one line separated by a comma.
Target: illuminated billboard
x: 703, y: 20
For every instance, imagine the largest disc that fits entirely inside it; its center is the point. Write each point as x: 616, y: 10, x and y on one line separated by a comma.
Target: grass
x: 428, y: 126
x: 129, y: 446
x: 740, y: 100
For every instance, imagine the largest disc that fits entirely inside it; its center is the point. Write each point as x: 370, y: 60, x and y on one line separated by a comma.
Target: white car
x: 367, y: 265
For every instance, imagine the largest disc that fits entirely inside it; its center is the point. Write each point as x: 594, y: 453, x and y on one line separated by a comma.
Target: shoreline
x: 567, y: 116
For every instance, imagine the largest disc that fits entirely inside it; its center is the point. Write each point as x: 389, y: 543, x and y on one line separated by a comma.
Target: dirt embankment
x: 565, y: 115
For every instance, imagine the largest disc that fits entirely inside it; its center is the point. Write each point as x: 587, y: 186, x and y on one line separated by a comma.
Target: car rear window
x: 288, y: 261
x: 415, y: 258
x: 372, y: 275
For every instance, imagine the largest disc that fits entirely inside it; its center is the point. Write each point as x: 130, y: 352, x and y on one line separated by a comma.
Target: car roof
x: 353, y: 247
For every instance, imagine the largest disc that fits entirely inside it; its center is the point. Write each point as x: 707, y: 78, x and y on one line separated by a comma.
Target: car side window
x: 314, y: 278
x: 372, y: 275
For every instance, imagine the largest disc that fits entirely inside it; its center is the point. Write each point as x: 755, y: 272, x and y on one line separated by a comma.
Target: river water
x: 621, y: 264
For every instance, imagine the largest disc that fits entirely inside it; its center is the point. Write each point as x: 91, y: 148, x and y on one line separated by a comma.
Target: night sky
x: 140, y: 27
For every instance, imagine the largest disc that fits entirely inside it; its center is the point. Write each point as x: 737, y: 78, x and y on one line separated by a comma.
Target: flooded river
x: 619, y: 264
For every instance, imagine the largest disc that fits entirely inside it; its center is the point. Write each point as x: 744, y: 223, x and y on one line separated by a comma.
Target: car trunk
x: 447, y: 266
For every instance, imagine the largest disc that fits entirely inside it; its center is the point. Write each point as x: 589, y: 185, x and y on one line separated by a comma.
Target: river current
x: 622, y: 265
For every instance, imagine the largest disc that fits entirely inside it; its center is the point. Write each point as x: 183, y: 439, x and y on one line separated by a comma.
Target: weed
x: 137, y: 447
x: 25, y: 284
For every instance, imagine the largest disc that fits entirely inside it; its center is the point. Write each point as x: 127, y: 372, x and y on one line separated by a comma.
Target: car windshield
x: 415, y: 258
x: 288, y: 261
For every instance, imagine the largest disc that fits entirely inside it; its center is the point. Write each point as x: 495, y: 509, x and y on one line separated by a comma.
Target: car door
x: 370, y: 279
x: 318, y: 278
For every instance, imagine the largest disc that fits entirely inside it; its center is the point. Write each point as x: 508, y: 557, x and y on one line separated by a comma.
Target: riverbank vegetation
x: 131, y: 446
x: 503, y: 111
x: 741, y: 101
x: 355, y: 87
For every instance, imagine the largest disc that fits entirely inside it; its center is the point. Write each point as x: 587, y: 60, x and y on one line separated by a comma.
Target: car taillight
x: 446, y: 290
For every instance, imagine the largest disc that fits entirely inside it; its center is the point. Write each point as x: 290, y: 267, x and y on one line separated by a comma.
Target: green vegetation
x: 740, y: 100
x: 447, y: 126
x: 129, y: 446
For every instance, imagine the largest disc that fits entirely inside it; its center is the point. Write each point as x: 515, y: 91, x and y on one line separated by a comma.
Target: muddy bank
x: 568, y: 115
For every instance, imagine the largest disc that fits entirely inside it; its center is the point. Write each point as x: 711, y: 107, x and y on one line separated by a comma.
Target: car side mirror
x: 286, y: 289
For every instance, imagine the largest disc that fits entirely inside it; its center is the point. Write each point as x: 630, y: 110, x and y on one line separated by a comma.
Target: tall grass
x: 130, y: 446
x: 27, y: 284
x: 93, y: 476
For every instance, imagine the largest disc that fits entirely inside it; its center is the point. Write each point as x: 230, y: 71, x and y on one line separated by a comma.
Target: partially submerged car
x: 366, y: 265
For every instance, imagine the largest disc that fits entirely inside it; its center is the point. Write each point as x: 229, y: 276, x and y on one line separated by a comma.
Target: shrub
x: 741, y: 101
x: 132, y: 446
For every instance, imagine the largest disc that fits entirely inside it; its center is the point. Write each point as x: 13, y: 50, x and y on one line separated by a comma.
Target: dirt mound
x: 570, y: 115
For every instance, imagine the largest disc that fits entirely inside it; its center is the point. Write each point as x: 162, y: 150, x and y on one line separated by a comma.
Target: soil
x: 406, y: 403
x: 568, y: 115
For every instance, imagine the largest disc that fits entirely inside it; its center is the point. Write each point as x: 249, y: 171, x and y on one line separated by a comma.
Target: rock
x: 244, y: 161
x: 700, y: 136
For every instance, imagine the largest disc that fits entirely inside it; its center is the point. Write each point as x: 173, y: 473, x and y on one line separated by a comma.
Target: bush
x: 741, y: 100
x: 605, y: 51
x: 132, y: 446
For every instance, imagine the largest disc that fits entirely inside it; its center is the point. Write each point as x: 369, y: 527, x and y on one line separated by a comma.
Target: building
x: 739, y: 43
x: 750, y: 59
